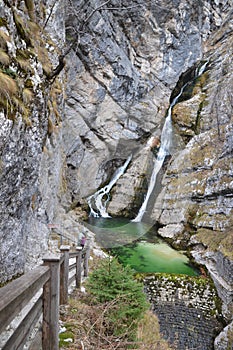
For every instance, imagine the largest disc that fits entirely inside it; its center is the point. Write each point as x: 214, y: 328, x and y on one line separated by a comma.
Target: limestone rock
x: 130, y: 188
x: 224, y: 339
x: 171, y: 231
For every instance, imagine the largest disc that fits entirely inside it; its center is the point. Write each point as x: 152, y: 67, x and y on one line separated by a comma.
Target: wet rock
x: 130, y: 188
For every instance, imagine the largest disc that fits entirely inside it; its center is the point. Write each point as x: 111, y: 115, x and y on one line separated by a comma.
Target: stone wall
x: 187, y: 308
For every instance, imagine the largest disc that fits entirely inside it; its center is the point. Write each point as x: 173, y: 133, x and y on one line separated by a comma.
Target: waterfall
x: 164, y: 150
x: 166, y: 140
x: 97, y: 199
x: 200, y: 70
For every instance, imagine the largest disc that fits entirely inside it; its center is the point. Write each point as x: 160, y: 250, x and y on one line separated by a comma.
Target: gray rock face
x: 31, y: 152
x: 119, y: 78
x: 223, y: 340
x: 129, y: 60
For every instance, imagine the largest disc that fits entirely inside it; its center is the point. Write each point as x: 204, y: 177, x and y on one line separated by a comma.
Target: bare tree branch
x: 50, y: 14
x: 76, y: 40
x: 95, y: 10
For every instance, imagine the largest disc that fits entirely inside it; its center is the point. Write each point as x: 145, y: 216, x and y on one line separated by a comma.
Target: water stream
x: 165, y: 147
x: 98, y: 201
x: 164, y: 150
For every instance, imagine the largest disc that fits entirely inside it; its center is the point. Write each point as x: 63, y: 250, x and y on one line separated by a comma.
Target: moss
x: 37, y: 34
x: 8, y: 86
x: 44, y: 59
x: 217, y: 241
x: 27, y: 96
x: 29, y: 84
x: 198, y: 119
x: 230, y: 339
x: 24, y: 66
x: 9, y: 72
x: 23, y: 60
x: 63, y: 336
x: 50, y: 126
x: 24, y: 54
x: 200, y: 83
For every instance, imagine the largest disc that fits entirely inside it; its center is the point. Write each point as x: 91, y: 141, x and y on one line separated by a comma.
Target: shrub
x: 113, y: 284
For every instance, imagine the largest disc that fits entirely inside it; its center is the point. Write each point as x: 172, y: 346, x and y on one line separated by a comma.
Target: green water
x: 137, y: 245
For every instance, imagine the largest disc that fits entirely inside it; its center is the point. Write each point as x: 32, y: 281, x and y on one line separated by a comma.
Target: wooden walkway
x: 51, y: 281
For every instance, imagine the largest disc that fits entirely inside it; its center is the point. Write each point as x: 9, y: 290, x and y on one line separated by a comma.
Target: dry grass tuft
x: 27, y: 96
x: 4, y: 38
x: 149, y: 334
x: 8, y: 87
x: 87, y: 324
x: 4, y: 58
x: 217, y: 241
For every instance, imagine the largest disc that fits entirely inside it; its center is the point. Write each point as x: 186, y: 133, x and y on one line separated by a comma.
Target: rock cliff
x: 31, y: 112
x: 84, y: 84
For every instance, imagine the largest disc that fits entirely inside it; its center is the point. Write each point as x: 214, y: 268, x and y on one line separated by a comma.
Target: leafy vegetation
x: 87, y: 325
x: 111, y: 282
x: 112, y: 314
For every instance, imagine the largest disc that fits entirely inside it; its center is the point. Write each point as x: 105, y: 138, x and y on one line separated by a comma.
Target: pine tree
x: 114, y: 284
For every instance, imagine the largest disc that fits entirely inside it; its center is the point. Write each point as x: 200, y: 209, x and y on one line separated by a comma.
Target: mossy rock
x: 217, y: 241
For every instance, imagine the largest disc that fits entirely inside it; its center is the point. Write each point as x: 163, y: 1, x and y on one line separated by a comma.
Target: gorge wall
x: 63, y: 135
x: 30, y: 126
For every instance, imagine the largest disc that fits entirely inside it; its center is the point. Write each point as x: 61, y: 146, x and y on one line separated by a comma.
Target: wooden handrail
x: 15, y: 295
x: 53, y: 277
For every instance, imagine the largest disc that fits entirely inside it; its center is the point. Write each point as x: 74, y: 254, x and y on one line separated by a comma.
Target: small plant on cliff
x: 113, y: 283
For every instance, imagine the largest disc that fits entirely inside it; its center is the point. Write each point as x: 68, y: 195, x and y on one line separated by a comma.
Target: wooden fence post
x: 50, y: 326
x: 78, y: 267
x: 86, y: 259
x: 64, y: 275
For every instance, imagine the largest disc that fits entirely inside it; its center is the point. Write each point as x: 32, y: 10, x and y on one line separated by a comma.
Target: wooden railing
x: 51, y: 280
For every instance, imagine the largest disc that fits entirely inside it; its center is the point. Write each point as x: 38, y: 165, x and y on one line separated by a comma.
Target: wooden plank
x: 72, y: 279
x: 50, y: 325
x: 78, y: 268
x: 86, y: 260
x: 16, y: 294
x: 73, y: 254
x: 72, y: 266
x: 20, y: 335
x: 64, y: 275
x: 62, y: 259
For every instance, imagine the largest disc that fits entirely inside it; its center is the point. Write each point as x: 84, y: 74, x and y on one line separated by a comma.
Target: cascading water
x: 164, y: 150
x: 98, y: 201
